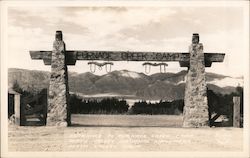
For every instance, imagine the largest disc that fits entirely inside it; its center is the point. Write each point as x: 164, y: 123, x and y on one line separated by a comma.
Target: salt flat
x: 124, y: 133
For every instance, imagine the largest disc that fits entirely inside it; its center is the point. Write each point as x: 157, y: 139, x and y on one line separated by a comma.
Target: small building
x: 14, y: 105
x: 27, y: 109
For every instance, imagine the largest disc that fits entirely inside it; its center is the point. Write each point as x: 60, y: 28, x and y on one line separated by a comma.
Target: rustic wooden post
x: 236, y: 110
x: 45, y: 109
x: 17, y: 105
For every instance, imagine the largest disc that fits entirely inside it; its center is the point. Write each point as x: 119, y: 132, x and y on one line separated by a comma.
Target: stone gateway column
x: 195, y: 113
x: 58, y: 106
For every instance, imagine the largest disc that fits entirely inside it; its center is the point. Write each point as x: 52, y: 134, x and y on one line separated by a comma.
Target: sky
x: 127, y: 28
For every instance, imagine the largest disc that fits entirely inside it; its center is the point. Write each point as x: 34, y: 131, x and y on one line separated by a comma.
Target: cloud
x: 47, y: 19
x: 126, y: 28
x: 185, y: 21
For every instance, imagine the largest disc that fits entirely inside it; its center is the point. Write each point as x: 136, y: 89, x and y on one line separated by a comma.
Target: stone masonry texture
x: 58, y: 107
x: 196, y: 105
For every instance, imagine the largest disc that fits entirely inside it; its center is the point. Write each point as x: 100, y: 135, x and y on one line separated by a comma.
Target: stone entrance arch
x: 196, y: 106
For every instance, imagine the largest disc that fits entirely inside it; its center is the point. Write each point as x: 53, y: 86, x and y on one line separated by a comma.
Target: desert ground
x: 124, y: 133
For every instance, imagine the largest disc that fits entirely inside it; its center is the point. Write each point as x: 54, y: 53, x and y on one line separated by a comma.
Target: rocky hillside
x: 167, y: 86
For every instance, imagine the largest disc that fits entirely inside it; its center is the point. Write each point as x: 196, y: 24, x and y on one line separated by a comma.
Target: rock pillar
x: 196, y: 104
x: 58, y: 106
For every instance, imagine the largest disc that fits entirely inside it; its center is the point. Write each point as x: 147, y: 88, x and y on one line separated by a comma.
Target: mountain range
x: 126, y: 84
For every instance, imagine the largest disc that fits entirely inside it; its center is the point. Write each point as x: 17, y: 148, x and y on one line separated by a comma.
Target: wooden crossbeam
x: 181, y: 57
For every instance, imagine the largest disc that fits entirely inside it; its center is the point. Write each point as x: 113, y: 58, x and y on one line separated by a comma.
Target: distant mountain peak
x: 126, y: 73
x: 124, y: 82
x: 131, y: 74
x: 227, y: 81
